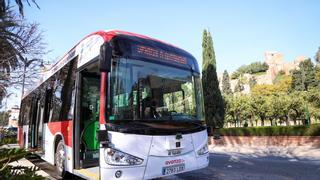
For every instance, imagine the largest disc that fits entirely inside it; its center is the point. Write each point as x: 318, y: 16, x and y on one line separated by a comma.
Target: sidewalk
x: 9, y: 146
x: 27, y: 163
x: 293, y: 152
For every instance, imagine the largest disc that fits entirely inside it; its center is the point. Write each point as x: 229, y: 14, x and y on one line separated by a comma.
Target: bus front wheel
x: 60, y: 157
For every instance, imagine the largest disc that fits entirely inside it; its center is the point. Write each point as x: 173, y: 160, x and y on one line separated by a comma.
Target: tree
x: 317, y: 57
x: 239, y: 87
x: 4, y: 118
x: 213, y: 101
x: 19, y: 41
x: 240, y: 84
x: 297, y: 106
x: 297, y: 81
x: 253, y: 68
x: 260, y: 107
x: 5, y: 3
x: 306, y: 77
x: 252, y: 82
x: 308, y: 74
x: 283, y: 83
x: 226, y: 87
x: 239, y: 109
x: 318, y: 73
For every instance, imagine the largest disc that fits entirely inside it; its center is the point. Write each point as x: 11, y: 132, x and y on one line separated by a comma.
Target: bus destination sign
x: 159, y: 54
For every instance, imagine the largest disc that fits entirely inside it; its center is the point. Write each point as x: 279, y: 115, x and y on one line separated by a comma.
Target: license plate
x: 173, y: 169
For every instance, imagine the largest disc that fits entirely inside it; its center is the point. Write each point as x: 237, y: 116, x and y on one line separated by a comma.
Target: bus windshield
x: 146, y: 91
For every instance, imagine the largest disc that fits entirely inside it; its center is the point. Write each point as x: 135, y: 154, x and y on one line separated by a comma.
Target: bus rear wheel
x: 60, y: 158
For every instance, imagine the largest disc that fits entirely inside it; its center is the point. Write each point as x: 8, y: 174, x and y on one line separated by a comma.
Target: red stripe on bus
x: 103, y: 85
x: 20, y: 136
x: 63, y: 127
x: 108, y: 35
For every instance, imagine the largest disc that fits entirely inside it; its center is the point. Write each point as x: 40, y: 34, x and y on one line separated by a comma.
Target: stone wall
x: 265, y: 141
x: 293, y: 147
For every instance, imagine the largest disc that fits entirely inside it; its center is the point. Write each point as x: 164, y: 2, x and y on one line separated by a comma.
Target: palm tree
x: 18, y: 41
x: 4, y: 4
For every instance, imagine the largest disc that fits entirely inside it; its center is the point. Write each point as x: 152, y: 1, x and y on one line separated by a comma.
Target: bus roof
x: 91, y: 43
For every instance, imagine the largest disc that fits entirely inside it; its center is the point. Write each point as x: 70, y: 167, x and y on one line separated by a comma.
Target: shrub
x: 253, y: 68
x: 312, y: 130
x: 8, y: 171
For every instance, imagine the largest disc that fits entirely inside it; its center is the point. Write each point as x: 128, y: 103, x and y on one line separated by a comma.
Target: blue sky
x: 242, y: 30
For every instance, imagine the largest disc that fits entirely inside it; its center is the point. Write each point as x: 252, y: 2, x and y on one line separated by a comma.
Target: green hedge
x: 312, y: 130
x: 8, y: 140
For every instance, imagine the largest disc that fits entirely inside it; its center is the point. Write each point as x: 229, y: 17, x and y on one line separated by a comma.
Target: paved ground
x: 235, y: 167
x: 226, y: 166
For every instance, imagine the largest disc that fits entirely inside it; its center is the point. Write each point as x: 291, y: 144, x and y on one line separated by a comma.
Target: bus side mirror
x: 105, y: 57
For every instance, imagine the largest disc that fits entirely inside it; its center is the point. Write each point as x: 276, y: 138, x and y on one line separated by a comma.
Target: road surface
x: 238, y: 167
x: 235, y: 167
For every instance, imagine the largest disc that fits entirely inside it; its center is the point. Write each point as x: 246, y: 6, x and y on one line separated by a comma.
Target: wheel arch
x: 57, y: 138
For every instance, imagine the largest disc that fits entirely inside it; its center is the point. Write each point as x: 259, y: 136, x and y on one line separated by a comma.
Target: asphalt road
x: 240, y: 167
x: 236, y: 167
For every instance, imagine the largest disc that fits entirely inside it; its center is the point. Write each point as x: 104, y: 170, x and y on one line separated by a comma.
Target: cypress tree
x: 226, y: 87
x: 213, y: 101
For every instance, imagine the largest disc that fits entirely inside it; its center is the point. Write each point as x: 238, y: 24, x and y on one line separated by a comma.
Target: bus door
x: 36, y: 125
x: 33, y: 124
x: 87, y: 121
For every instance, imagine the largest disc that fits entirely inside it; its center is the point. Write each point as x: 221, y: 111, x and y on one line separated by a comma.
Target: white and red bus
x: 118, y: 105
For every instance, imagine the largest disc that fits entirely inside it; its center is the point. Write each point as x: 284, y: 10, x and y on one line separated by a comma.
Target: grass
x: 312, y: 130
x: 259, y: 73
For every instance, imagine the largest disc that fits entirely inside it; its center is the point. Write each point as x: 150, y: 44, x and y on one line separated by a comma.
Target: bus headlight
x: 203, y: 150
x: 118, y: 158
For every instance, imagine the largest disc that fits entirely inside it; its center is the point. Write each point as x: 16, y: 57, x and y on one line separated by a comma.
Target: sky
x: 242, y: 30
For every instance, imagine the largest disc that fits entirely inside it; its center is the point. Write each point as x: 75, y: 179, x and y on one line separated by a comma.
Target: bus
x: 118, y: 105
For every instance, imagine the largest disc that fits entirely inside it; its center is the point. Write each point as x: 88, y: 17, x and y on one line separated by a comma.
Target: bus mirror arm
x: 105, y: 57
x: 103, y: 138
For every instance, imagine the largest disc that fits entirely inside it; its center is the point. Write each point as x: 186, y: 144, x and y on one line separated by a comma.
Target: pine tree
x: 297, y: 82
x: 304, y: 78
x: 226, y: 87
x: 213, y: 101
x: 308, y: 74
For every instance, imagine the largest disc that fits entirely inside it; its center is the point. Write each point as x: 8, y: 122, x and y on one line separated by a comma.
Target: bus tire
x: 60, y: 159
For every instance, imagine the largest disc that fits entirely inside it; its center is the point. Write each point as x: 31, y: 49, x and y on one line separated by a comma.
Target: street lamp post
x: 23, y: 79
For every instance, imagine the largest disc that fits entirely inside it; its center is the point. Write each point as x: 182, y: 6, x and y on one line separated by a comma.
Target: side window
x: 67, y: 91
x: 47, y: 104
x: 62, y: 87
x: 56, y: 97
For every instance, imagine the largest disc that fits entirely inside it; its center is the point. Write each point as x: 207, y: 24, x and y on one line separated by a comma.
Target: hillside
x: 275, y: 62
